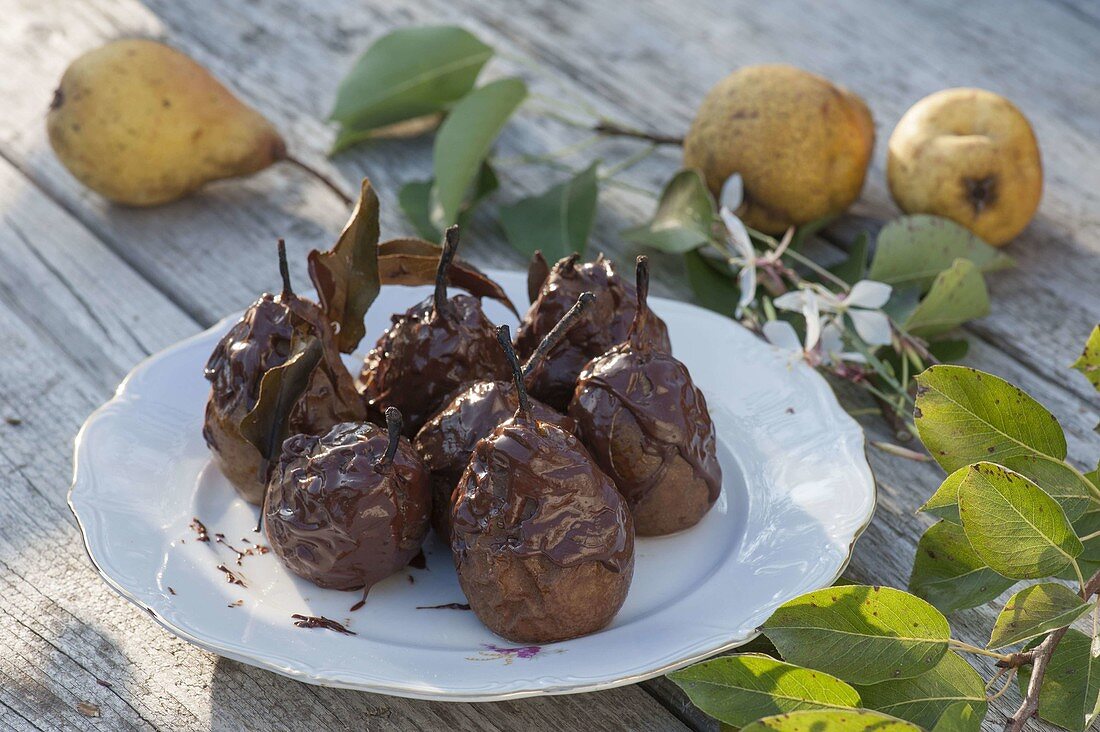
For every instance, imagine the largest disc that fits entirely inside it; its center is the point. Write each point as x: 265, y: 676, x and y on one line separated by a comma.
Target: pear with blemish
x: 143, y: 124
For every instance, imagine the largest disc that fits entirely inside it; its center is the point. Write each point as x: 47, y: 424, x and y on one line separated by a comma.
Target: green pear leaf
x: 944, y: 503
x: 346, y: 276
x: 1013, y: 525
x: 962, y: 716
x: 415, y: 200
x: 914, y: 250
x: 854, y: 268
x: 741, y: 688
x: 860, y: 634
x: 924, y: 699
x: 949, y: 350
x: 558, y: 220
x: 948, y: 574
x: 1089, y: 361
x: 859, y: 720
x: 463, y: 142
x: 957, y: 295
x: 712, y: 290
x: 684, y: 217
x: 1057, y: 479
x: 964, y: 415
x: 1086, y: 524
x: 1035, y: 611
x: 1070, y: 694
x: 407, y: 74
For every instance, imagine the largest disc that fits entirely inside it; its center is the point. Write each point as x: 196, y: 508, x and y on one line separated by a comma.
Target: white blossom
x: 862, y: 304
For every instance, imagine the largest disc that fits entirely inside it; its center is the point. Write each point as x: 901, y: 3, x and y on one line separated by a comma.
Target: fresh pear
x: 143, y: 124
x: 968, y: 155
x: 800, y: 143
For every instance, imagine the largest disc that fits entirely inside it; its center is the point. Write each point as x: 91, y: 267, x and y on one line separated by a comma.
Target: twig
x: 328, y: 182
x: 1041, y: 656
x: 607, y: 127
x: 898, y: 450
x: 1003, y: 689
x: 1030, y: 705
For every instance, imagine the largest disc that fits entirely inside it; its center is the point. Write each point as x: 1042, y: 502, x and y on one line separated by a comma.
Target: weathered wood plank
x: 211, y: 254
x: 260, y: 47
x: 78, y: 319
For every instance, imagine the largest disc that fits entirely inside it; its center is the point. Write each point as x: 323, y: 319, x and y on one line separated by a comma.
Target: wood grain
x: 62, y: 630
x: 87, y: 289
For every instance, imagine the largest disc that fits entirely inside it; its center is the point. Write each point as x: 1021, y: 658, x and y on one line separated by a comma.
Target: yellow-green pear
x: 800, y: 143
x: 968, y: 155
x: 142, y: 124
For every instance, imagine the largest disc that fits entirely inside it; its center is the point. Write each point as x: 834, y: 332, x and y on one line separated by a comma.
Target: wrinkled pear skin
x: 259, y: 341
x: 142, y: 124
x: 543, y: 543
x: 447, y: 440
x: 604, y: 324
x: 968, y: 155
x: 339, y: 519
x: 801, y: 144
x: 647, y: 426
x: 425, y: 356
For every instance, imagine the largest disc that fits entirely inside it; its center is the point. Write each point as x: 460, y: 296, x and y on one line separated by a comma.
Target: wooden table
x: 88, y: 289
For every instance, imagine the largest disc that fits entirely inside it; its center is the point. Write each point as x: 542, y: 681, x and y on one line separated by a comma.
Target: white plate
x: 797, y: 492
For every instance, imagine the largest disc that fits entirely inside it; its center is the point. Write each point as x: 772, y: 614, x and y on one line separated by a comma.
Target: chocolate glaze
x: 605, y: 324
x: 337, y: 517
x: 446, y: 442
x: 448, y: 606
x: 425, y: 356
x: 648, y: 427
x: 315, y: 621
x: 230, y: 577
x: 542, y: 541
x: 199, y: 528
x: 259, y: 341
x: 254, y: 550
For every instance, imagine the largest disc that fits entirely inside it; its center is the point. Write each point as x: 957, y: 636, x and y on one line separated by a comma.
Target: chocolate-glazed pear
x: 260, y: 341
x: 447, y: 440
x: 350, y: 508
x: 436, y: 347
x: 647, y: 426
x: 606, y: 325
x: 543, y: 543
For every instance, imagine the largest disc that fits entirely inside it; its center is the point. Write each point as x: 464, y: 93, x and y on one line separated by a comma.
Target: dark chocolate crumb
x: 311, y: 621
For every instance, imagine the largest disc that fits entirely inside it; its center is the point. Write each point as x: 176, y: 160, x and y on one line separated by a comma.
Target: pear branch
x: 614, y: 129
x: 1040, y: 658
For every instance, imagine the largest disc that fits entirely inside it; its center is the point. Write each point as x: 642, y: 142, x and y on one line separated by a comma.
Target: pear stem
x: 324, y: 179
x: 393, y: 426
x: 450, y: 246
x: 504, y: 337
x: 284, y: 270
x: 641, y: 277
x: 614, y: 129
x: 569, y: 262
x: 558, y: 332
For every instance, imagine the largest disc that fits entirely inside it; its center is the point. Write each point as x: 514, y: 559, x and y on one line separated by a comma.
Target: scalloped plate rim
x: 711, y: 645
